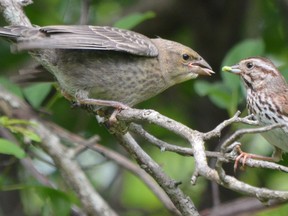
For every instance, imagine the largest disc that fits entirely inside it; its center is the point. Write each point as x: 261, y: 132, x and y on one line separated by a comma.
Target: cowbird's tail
x: 10, y: 32
x: 18, y: 34
x: 33, y: 75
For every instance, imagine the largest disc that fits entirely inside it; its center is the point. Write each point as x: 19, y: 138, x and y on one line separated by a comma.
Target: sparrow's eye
x: 249, y: 65
x: 185, y: 57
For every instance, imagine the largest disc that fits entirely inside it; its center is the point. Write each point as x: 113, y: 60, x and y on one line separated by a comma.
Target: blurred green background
x: 222, y: 31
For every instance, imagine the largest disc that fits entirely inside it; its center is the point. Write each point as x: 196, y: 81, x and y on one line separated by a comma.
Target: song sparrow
x: 267, y: 100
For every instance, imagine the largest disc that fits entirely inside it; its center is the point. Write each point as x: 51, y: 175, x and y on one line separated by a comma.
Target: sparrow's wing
x: 282, y: 100
x: 80, y: 37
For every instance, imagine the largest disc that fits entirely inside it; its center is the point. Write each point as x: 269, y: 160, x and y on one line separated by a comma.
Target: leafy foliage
x: 8, y: 147
x: 263, y: 32
x: 37, y: 93
x: 19, y: 126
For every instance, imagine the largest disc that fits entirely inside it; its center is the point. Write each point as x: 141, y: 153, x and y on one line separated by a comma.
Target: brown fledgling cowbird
x: 93, y: 64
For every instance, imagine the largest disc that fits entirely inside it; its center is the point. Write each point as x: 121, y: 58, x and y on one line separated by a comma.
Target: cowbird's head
x: 179, y: 62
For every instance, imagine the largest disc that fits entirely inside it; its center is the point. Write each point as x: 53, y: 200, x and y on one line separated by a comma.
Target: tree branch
x: 181, y: 201
x: 196, y: 140
x: 164, y: 146
x: 91, y: 201
x: 120, y: 160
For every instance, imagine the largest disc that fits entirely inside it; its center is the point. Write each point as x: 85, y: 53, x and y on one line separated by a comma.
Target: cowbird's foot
x: 110, y: 121
x: 106, y: 109
x: 87, y: 107
x: 112, y: 118
x: 75, y: 104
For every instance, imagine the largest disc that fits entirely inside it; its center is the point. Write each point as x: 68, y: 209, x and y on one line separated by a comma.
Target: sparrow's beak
x: 233, y: 69
x: 203, y: 68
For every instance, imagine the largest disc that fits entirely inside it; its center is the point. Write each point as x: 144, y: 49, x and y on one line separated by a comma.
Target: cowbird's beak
x: 233, y: 69
x: 203, y: 68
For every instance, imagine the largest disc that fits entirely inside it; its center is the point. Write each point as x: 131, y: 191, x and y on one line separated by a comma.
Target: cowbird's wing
x: 80, y: 37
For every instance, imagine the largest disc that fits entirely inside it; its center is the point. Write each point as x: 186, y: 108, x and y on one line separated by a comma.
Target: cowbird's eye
x: 249, y: 65
x: 185, y: 57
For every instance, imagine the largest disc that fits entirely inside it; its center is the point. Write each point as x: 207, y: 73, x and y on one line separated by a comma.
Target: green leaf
x: 8, y: 147
x: 221, y: 98
x: 229, y: 94
x: 25, y: 132
x: 53, y: 200
x: 134, y: 19
x: 217, y: 92
x: 202, y: 88
x: 244, y: 49
x: 32, y: 136
x: 284, y: 70
x: 11, y: 87
x: 59, y: 201
x: 14, y: 126
x: 5, y: 121
x: 280, y: 210
x: 36, y: 93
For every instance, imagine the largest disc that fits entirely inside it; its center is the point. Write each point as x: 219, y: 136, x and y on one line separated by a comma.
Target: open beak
x: 203, y: 68
x: 233, y: 69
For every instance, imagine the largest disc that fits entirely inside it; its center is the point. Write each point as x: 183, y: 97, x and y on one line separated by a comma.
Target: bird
x: 267, y: 101
x: 106, y: 66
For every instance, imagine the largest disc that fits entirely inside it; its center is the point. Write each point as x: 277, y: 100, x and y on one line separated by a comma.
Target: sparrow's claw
x: 244, y: 156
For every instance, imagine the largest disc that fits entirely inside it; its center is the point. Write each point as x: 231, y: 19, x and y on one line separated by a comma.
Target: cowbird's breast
x: 109, y: 75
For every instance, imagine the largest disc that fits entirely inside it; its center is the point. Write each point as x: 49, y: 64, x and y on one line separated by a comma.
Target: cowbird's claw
x: 110, y: 121
x: 75, y: 104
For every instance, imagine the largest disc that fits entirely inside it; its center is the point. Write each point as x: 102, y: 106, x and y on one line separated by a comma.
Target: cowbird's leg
x: 99, y: 102
x: 81, y: 99
x: 93, y: 105
x: 66, y: 95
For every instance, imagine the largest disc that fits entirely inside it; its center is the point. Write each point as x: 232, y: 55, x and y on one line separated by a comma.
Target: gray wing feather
x: 83, y: 37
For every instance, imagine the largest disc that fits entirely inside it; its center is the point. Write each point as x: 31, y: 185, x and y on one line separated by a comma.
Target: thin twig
x: 237, y: 134
x: 85, y: 6
x: 164, y: 146
x: 216, y: 132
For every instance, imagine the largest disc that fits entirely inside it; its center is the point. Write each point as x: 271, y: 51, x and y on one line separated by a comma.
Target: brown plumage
x: 267, y: 99
x: 93, y: 62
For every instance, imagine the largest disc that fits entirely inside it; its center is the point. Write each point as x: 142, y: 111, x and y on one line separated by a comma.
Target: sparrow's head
x: 257, y: 73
